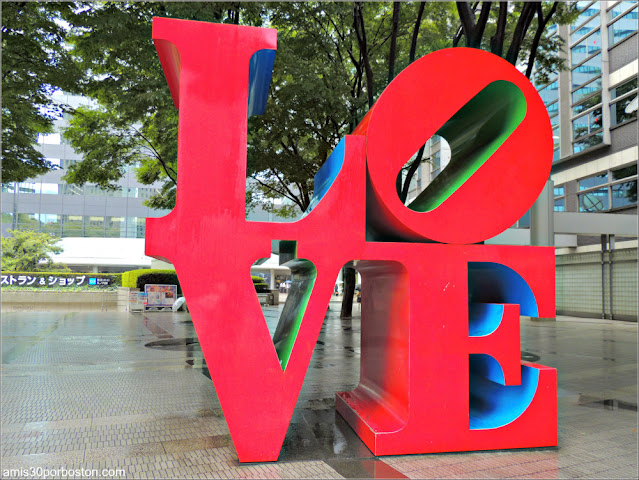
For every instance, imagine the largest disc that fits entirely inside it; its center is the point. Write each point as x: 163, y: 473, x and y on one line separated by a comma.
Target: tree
x: 522, y: 27
x: 135, y: 123
x: 35, y: 62
x: 317, y: 93
x: 333, y: 61
x: 29, y: 251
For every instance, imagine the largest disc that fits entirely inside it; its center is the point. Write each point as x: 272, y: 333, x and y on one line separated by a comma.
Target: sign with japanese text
x: 160, y: 295
x: 137, y: 301
x: 48, y: 280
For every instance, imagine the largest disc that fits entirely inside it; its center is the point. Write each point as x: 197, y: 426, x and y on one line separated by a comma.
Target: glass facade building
x: 48, y: 204
x: 592, y: 106
x: 593, y: 110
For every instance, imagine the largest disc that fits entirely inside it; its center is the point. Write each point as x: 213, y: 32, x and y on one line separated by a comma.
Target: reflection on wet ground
x: 133, y: 391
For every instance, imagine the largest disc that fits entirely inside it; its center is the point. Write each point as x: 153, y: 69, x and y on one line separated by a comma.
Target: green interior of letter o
x: 474, y: 133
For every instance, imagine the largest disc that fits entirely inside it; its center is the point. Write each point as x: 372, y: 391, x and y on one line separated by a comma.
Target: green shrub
x: 130, y: 278
x: 158, y: 277
x: 125, y: 279
x: 260, y: 284
x: 150, y: 276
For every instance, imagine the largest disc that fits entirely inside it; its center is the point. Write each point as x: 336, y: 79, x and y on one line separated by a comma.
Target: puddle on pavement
x: 364, y: 468
x: 606, y: 404
x: 529, y: 357
x: 191, y: 343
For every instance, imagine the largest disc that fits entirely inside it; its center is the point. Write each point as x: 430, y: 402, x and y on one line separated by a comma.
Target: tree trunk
x: 497, y: 40
x: 349, y: 291
x: 360, y: 30
x: 410, y: 174
x: 525, y: 18
x: 413, y: 43
x: 541, y: 26
x: 393, y: 43
x: 481, y: 24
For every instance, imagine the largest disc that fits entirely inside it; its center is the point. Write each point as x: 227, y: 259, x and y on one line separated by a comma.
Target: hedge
x: 158, y: 278
x: 154, y: 276
x: 260, y: 284
x: 130, y: 278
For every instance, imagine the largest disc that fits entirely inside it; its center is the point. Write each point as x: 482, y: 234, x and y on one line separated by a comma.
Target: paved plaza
x: 131, y: 393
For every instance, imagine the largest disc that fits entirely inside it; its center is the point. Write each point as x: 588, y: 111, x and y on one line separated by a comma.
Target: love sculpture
x: 440, y: 345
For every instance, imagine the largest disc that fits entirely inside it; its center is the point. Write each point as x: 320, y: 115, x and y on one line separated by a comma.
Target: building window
x: 27, y: 187
x: 50, y: 223
x: 586, y: 71
x: 559, y: 192
x: 623, y: 26
x: 594, y: 201
x: 550, y: 93
x: 72, y: 226
x: 621, y: 7
x: 587, y: 124
x: 624, y: 188
x: 586, y: 28
x: 7, y: 218
x: 27, y: 221
x: 587, y: 131
x: 141, y: 228
x: 556, y: 141
x: 586, y: 96
x: 588, y: 10
x: 585, y: 48
x: 435, y: 167
x: 586, y: 90
x: 115, y: 227
x: 93, y: 226
x: 50, y: 188
x: 593, y: 181
x: 614, y: 189
x: 68, y: 189
x: 621, y: 108
x: 586, y: 104
x: 624, y: 194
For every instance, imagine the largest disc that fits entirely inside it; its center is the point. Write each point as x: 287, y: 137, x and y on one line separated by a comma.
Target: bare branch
x: 411, y: 173
x: 167, y: 169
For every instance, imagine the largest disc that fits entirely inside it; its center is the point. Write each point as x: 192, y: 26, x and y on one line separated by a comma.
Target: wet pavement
x: 132, y: 392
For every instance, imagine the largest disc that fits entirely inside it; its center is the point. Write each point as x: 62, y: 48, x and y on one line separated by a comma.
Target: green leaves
x: 324, y: 70
x: 34, y: 63
x: 28, y: 251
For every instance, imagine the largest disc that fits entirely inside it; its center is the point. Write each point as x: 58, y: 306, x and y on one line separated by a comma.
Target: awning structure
x: 94, y: 253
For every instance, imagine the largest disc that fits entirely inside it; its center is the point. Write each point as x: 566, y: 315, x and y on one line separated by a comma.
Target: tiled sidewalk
x: 86, y: 390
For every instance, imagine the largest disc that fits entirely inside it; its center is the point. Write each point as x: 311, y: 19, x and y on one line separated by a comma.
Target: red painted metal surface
x: 414, y: 393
